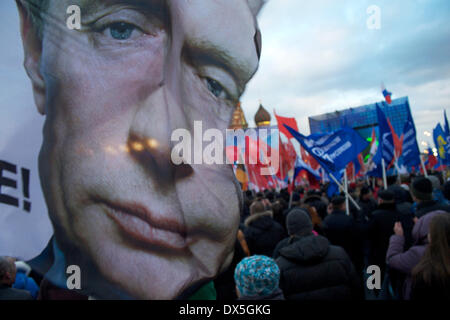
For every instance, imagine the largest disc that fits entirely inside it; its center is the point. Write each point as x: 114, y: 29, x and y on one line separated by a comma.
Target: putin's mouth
x: 140, y: 224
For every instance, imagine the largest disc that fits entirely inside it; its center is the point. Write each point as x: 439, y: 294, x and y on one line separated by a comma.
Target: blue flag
x: 441, y: 143
x: 333, y: 188
x: 333, y: 151
x: 447, y: 129
x: 447, y: 137
x: 410, y: 153
x: 356, y: 165
x: 386, y: 146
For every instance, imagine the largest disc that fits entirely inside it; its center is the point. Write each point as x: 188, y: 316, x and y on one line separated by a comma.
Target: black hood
x: 262, y: 221
x: 305, y: 249
x: 387, y: 206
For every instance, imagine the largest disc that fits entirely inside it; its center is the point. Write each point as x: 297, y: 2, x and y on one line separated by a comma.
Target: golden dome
x: 238, y: 119
x: 262, y: 117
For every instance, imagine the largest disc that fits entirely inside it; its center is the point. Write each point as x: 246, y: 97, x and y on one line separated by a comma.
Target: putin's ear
x: 32, y: 46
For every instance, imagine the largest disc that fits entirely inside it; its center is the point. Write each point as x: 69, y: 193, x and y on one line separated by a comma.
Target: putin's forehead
x: 226, y: 25
x: 222, y: 30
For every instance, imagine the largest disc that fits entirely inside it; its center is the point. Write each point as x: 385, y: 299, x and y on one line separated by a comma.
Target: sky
x: 319, y: 56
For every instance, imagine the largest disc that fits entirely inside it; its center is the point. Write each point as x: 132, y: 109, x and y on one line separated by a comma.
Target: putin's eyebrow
x: 89, y: 7
x: 206, y: 53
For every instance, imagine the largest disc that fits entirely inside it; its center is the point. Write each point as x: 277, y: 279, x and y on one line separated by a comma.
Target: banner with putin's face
x: 87, y: 171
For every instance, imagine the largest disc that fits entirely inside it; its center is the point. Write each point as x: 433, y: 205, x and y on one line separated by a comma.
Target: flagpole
x: 442, y: 169
x: 323, y: 176
x: 354, y: 173
x: 346, y: 193
x: 397, y: 168
x: 290, y: 199
x: 384, y: 173
x: 292, y: 191
x: 423, y: 167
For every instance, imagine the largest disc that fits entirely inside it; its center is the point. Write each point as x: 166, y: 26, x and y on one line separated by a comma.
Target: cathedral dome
x: 262, y: 117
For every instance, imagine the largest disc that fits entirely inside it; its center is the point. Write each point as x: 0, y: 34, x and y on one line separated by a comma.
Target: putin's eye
x: 121, y: 30
x: 216, y: 88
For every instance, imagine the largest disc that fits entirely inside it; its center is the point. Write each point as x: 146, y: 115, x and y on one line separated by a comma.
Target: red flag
x: 255, y: 177
x: 291, y: 122
x: 361, y: 164
x: 432, y: 161
x: 373, y: 144
x: 284, y: 161
x: 287, y: 158
x: 313, y: 182
x: 350, y: 171
x: 304, y: 155
x: 398, y: 142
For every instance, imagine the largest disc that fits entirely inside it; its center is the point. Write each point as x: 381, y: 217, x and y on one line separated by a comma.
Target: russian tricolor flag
x: 387, y: 95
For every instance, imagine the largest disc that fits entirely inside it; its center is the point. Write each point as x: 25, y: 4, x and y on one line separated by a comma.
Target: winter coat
x: 224, y: 283
x: 24, y: 282
x: 312, y: 269
x: 8, y: 293
x: 262, y: 233
x: 400, y: 194
x: 276, y: 295
x: 428, y: 206
x: 341, y: 230
x: 367, y: 207
x: 437, y: 290
x: 380, y: 229
x: 406, y: 261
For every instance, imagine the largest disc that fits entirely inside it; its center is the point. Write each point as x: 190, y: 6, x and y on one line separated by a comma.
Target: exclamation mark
x: 26, y: 189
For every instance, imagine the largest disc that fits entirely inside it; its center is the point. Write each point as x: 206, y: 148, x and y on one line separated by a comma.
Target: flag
x: 373, y: 146
x: 447, y: 129
x: 287, y: 159
x: 282, y: 121
x: 441, y: 143
x: 432, y: 161
x: 410, y: 152
x: 386, y: 146
x: 302, y: 165
x: 333, y: 151
x: 360, y: 164
x: 284, y: 165
x: 355, y: 166
x: 398, y: 142
x: 333, y: 188
x: 387, y: 95
x: 447, y: 138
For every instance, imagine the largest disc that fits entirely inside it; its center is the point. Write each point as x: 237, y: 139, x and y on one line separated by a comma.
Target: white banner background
x: 22, y: 234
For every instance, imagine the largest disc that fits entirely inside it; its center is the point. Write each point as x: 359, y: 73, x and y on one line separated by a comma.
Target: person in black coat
x: 381, y: 228
x: 403, y: 205
x: 422, y: 191
x: 367, y: 203
x: 311, y: 268
x: 341, y: 230
x: 262, y: 233
x: 7, y: 278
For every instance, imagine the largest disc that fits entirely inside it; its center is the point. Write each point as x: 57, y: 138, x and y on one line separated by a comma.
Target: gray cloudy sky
x: 319, y: 56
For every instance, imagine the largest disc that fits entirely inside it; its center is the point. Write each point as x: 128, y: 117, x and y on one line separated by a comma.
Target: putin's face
x: 112, y: 94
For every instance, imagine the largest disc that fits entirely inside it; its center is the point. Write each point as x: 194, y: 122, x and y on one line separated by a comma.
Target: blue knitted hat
x: 257, y: 276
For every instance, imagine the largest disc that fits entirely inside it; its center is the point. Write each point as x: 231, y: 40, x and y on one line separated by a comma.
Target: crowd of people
x: 316, y: 249
x: 306, y: 246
